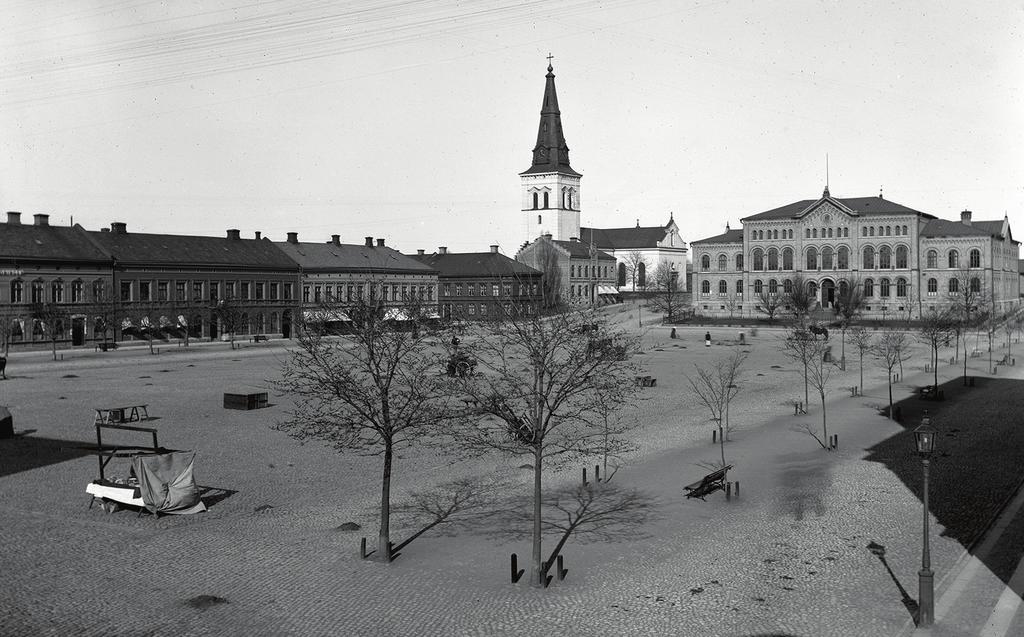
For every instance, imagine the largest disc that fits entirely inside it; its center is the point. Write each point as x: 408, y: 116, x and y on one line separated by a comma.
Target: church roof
x: 475, y: 264
x: 860, y: 205
x: 623, y: 238
x: 551, y: 153
x: 729, y: 236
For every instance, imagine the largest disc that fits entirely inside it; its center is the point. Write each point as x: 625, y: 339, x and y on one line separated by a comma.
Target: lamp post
x: 925, y: 438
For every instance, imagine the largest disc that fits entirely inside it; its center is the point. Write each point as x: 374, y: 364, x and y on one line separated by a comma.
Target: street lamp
x: 925, y: 438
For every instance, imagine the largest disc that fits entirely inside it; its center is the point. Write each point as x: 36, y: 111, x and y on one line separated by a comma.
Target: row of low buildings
x: 95, y: 278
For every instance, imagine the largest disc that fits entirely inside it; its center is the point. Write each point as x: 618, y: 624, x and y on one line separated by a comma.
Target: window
x: 954, y: 286
x: 975, y: 258
x: 760, y: 234
x: 483, y: 310
x: 17, y: 291
x: 846, y: 232
x: 705, y: 287
x: 869, y: 287
x: 826, y: 258
x: 494, y: 289
x: 258, y: 291
x: 901, y: 287
x: 641, y: 278
x: 885, y: 288
x: 812, y: 259
x: 871, y: 231
x: 287, y: 291
x: 807, y: 232
x: 179, y: 290
x: 773, y: 287
x: 161, y: 291
x: 830, y: 233
x: 844, y: 288
x: 787, y: 258
x: 705, y: 263
x: 145, y: 290
x: 758, y: 259
x: 739, y: 286
x: 758, y: 286
x: 787, y: 286
x: 868, y: 262
x: 885, y: 257
x: 843, y: 258
x: 383, y: 292
x: 458, y: 289
x: 773, y: 259
x: 897, y: 230
x: 430, y: 293
x: 864, y: 231
x: 901, y: 256
x: 197, y: 290
x: 933, y: 259
x: 545, y: 205
x: 888, y: 231
x: 954, y: 259
x: 904, y: 230
x: 536, y: 200
x: 814, y: 233
x: 933, y: 287
x: 975, y: 284
x: 126, y: 291
x: 247, y: 292
x: 723, y: 262
x: 739, y: 262
x: 723, y: 287
x: 230, y: 289
x: 99, y: 291
x: 881, y: 231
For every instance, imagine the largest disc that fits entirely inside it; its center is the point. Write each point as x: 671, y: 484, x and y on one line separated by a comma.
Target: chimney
x: 442, y: 250
x: 258, y: 235
x: 293, y: 237
x: 233, y: 233
x: 494, y: 249
x: 118, y: 227
x: 13, y: 217
x: 104, y: 229
x: 573, y: 239
x: 41, y: 219
x: 965, y: 217
x: 336, y: 239
x: 380, y: 243
x: 548, y: 236
x: 420, y: 252
x: 369, y: 242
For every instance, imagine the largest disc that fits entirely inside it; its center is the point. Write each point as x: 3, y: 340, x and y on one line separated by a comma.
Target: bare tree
x: 229, y: 317
x: 551, y: 283
x: 768, y: 303
x: 715, y: 387
x: 107, y: 314
x: 53, y: 318
x: 863, y: 341
x: 805, y: 347
x: 732, y: 304
x: 667, y: 296
x: 935, y: 329
x: 535, y: 394
x: 8, y: 329
x: 375, y: 392
x: 800, y: 298
x: 801, y: 346
x: 848, y: 306
x: 890, y: 351
x: 636, y: 269
x: 970, y: 305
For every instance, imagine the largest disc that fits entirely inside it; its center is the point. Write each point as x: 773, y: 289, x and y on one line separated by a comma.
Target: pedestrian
x: 707, y: 339
x: 673, y: 334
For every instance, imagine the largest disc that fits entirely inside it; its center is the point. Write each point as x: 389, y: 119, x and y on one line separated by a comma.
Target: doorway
x: 828, y: 293
x: 78, y: 330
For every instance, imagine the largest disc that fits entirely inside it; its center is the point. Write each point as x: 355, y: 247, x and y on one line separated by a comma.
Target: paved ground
x: 790, y: 556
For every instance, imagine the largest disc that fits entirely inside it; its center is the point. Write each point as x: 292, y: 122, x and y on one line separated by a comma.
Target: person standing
x: 707, y: 339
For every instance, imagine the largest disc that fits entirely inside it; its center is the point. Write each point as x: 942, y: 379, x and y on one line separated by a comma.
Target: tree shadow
x: 909, y: 602
x: 805, y: 478
x: 976, y: 466
x: 27, y: 452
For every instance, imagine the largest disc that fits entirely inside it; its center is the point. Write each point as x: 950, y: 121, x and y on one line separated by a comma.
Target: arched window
x: 773, y: 287
x: 901, y: 256
x: 621, y: 280
x: 536, y: 200
x: 787, y: 286
x: 904, y: 230
x: 814, y: 233
x: 975, y: 258
x: 871, y: 231
x: 273, y: 323
x: 826, y: 258
x: 545, y: 200
x: 807, y: 232
x: 775, y: 234
x: 830, y: 233
x: 773, y: 259
x: 901, y: 287
x: 790, y: 234
x: 243, y: 324
x: 869, y: 287
x: 38, y: 292
x: 753, y: 235
x: 846, y: 232
x: 705, y: 263
x: 881, y: 231
x: 864, y: 231
x: 572, y: 193
x: 884, y: 288
x: 812, y: 259
x: 868, y: 262
x: 888, y: 231
x: 261, y: 326
x: 844, y: 288
x: 758, y: 259
x: 975, y: 284
x: 933, y: 259
x: 897, y: 230
x: 954, y: 259
x: 760, y: 234
x: 885, y: 257
x: 705, y: 287
x: 843, y: 258
x: 787, y: 258
x: 641, y: 276
x: 57, y: 291
x: 954, y: 286
x: 739, y: 262
x: 933, y: 286
x: 723, y: 262
x: 758, y: 286
x: 739, y: 286
x: 17, y: 291
x: 723, y: 287
x: 812, y: 289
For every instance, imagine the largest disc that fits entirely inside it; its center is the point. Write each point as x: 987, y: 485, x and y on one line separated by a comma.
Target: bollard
x: 584, y: 476
x: 597, y: 473
x: 728, y: 491
x: 737, y: 488
x: 714, y: 436
x: 516, y: 571
x: 835, y: 444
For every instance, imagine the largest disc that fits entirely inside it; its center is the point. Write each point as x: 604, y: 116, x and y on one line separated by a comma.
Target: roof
x: 580, y: 250
x: 993, y: 228
x: 859, y: 205
x: 729, y: 236
x: 624, y: 238
x: 475, y: 264
x: 18, y: 241
x: 359, y: 257
x: 944, y: 228
x: 550, y: 154
x: 135, y: 247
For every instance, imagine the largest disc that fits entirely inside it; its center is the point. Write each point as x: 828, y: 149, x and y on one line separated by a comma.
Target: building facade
x: 905, y: 261
x: 574, y: 273
x: 640, y: 252
x: 483, y: 285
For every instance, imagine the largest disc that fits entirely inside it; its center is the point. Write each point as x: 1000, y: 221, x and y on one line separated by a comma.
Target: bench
x: 708, y: 484
x: 928, y: 391
x: 258, y: 338
x: 102, y: 347
x: 646, y: 381
x: 130, y: 413
x: 257, y: 400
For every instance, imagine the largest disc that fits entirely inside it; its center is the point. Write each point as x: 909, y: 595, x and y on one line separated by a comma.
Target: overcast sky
x: 411, y: 120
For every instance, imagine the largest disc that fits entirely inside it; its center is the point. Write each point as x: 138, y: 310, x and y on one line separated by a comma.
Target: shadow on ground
x: 977, y: 464
x: 26, y: 452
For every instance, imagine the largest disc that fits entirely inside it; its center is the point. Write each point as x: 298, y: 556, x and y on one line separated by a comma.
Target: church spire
x: 551, y: 153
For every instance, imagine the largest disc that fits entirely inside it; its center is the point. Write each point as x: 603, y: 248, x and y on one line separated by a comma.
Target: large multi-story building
x: 574, y: 273
x: 483, y: 285
x: 905, y: 261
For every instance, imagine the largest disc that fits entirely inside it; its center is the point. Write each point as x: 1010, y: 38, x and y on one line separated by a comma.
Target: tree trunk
x: 384, y: 537
x: 935, y: 369
x: 890, y: 395
x: 537, y: 576
x: 862, y: 372
x: 824, y: 421
x: 807, y: 396
x: 721, y: 441
x: 54, y: 342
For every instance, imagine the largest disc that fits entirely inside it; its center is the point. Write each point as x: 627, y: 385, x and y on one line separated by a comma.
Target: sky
x: 410, y: 121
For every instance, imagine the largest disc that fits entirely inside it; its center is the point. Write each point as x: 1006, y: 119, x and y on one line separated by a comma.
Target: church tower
x: 551, y: 188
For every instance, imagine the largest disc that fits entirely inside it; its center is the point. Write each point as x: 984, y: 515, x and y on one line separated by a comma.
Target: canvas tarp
x: 167, y: 482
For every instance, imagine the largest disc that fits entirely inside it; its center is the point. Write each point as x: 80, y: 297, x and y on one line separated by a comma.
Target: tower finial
x: 826, y: 175
x: 550, y: 57
x: 879, y: 192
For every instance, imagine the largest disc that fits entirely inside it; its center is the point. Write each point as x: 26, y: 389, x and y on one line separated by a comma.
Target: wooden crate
x: 246, y: 401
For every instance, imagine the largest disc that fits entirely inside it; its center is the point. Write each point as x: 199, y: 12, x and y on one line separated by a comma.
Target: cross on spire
x: 550, y: 57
